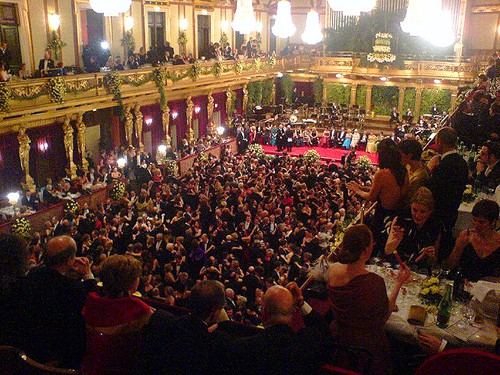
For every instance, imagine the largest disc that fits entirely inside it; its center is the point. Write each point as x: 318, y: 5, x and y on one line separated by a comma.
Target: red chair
x: 461, y: 362
x: 332, y: 370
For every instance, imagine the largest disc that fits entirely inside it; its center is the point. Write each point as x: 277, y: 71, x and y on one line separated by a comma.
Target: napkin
x: 482, y: 288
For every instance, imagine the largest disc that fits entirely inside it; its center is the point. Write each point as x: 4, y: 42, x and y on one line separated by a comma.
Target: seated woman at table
x: 359, y: 300
x: 416, y: 239
x: 477, y: 250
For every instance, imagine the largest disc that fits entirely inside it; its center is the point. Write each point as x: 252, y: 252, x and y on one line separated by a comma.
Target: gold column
x: 369, y: 89
x: 273, y: 92
x: 129, y: 125
x: 189, y: 117
x: 165, y: 118
x: 401, y: 99
x: 24, y: 157
x: 229, y: 102
x: 82, y: 140
x: 138, y: 125
x: 354, y: 89
x: 325, y: 97
x: 210, y: 113
x: 418, y: 102
x: 245, y: 98
x: 68, y: 145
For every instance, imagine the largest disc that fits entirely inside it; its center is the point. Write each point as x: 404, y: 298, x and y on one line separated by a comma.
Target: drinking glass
x: 469, y: 313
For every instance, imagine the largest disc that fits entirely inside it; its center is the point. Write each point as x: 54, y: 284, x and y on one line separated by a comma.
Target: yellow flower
x: 432, y: 309
x: 425, y: 291
x: 434, y: 289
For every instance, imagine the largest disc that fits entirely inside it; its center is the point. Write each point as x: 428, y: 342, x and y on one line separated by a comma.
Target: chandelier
x: 427, y: 19
x: 352, y: 7
x: 244, y: 18
x: 110, y: 8
x: 284, y: 27
x: 312, y: 33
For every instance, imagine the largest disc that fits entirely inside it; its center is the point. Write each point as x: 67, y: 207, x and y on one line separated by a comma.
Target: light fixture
x: 197, y: 109
x: 284, y: 27
x: 204, y: 12
x: 110, y: 8
x: 129, y: 23
x: 352, y: 7
x: 338, y: 75
x: 121, y: 162
x: 148, y: 121
x: 258, y: 26
x: 174, y: 115
x: 383, y: 79
x: 224, y: 26
x: 437, y: 81
x: 279, y: 75
x: 216, y: 105
x: 162, y: 149
x: 183, y: 24
x: 220, y: 130
x: 244, y: 18
x: 13, y: 198
x: 312, y: 33
x: 43, y: 146
x: 104, y: 45
x: 54, y: 21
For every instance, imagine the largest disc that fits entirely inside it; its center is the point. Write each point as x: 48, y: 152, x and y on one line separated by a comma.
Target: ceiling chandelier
x: 312, y: 33
x: 110, y: 8
x: 427, y: 19
x: 284, y: 27
x: 244, y: 20
x: 352, y: 7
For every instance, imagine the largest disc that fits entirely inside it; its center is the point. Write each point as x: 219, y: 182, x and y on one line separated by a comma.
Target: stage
x: 332, y: 154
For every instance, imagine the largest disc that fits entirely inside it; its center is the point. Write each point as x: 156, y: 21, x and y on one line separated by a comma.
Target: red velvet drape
x: 200, y: 104
x: 180, y: 122
x: 220, y: 103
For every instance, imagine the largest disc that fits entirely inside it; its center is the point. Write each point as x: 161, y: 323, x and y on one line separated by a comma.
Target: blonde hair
x: 423, y: 196
x: 118, y: 275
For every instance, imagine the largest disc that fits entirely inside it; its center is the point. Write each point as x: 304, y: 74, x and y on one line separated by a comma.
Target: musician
x: 289, y: 138
x: 297, y: 137
x: 333, y: 137
x: 260, y: 131
x: 435, y: 110
x: 280, y: 138
x: 306, y: 135
x: 325, y: 140
x: 341, y: 137
x: 314, y: 137
x: 394, y: 115
x: 409, y: 115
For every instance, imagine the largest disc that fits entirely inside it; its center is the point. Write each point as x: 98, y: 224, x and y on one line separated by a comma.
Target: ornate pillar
x: 418, y: 102
x: 81, y: 141
x: 354, y: 89
x: 229, y: 102
x: 453, y: 103
x: 24, y: 157
x: 324, y: 95
x: 189, y: 118
x: 68, y: 145
x: 273, y: 92
x: 138, y: 125
x: 165, y: 119
x: 129, y: 125
x: 210, y: 113
x: 401, y: 99
x: 369, y: 89
x: 245, y: 98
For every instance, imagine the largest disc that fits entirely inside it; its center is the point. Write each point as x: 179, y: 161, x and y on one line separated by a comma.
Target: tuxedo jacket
x: 50, y: 64
x: 493, y: 178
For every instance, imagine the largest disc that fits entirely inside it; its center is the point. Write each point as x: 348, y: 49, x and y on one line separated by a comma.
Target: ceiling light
x: 110, y: 8
x: 284, y: 27
x: 312, y: 33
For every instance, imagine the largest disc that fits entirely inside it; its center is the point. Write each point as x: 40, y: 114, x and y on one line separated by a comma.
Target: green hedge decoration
x: 287, y: 85
x: 430, y: 96
x: 318, y: 90
x: 361, y: 96
x: 267, y: 91
x: 337, y: 93
x: 384, y: 98
x: 409, y: 99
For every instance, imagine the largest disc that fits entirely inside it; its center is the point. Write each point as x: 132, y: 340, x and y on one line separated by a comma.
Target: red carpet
x: 334, y: 154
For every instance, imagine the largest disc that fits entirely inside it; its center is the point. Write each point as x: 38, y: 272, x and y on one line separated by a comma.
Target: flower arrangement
x: 182, y: 40
x: 117, y: 191
x: 311, y: 156
x: 160, y: 77
x: 224, y: 41
x: 5, y: 95
x: 203, y: 157
x: 238, y: 67
x: 70, y: 208
x: 56, y: 44
x: 128, y: 41
x: 57, y: 89
x: 256, y: 64
x: 21, y: 228
x: 172, y: 167
x: 469, y: 195
x: 113, y: 83
x: 257, y: 150
x: 218, y: 69
x: 431, y: 293
x: 195, y: 71
x: 364, y: 163
x: 272, y: 61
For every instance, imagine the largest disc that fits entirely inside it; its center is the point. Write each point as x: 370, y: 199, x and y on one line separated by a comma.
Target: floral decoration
x: 364, y: 162
x: 117, y: 191
x: 195, y: 71
x: 21, y: 228
x: 469, y: 195
x: 57, y: 89
x: 56, y: 44
x: 203, y: 157
x: 431, y: 293
x: 70, y: 208
x: 311, y: 156
x: 172, y: 167
x: 182, y: 40
x: 5, y: 95
x: 238, y: 67
x: 256, y: 150
x: 160, y: 77
x: 218, y: 69
x: 113, y: 83
x: 256, y: 64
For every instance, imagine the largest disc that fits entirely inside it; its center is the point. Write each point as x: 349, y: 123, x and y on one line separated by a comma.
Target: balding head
x: 278, y: 306
x: 59, y: 250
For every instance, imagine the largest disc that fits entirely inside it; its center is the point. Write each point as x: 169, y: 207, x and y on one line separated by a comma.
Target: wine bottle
x: 458, y: 285
x: 444, y: 309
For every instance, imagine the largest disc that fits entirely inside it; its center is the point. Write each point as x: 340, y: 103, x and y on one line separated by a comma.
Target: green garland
x: 267, y: 91
x: 238, y: 67
x: 21, y: 228
x: 218, y: 69
x: 287, y: 85
x: 195, y: 71
x: 5, y: 95
x: 57, y: 89
x: 256, y: 64
x: 160, y: 78
x: 318, y: 90
x: 224, y: 41
x: 182, y: 40
x: 56, y: 44
x: 113, y: 83
x: 137, y: 82
x: 128, y: 41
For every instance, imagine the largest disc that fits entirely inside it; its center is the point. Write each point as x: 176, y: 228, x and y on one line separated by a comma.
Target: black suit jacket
x: 278, y: 350
x: 54, y: 321
x: 493, y: 178
x: 447, y: 184
x: 50, y: 64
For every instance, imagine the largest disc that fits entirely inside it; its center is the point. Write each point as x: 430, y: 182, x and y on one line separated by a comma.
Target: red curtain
x: 307, y: 87
x: 220, y: 103
x: 153, y: 113
x: 178, y: 110
x: 10, y: 167
x: 239, y: 101
x: 200, y: 105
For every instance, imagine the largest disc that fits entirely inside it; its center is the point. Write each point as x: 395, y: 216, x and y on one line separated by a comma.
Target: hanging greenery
x: 409, y: 98
x: 442, y: 98
x: 224, y: 41
x: 287, y: 85
x: 57, y: 89
x: 361, y: 96
x: 337, y: 93
x: 384, y: 98
x: 218, y: 69
x: 113, y: 83
x: 267, y: 91
x: 195, y: 71
x: 160, y: 78
x: 256, y: 64
x: 182, y: 40
x: 128, y: 41
x: 318, y: 90
x: 238, y: 67
x: 5, y: 95
x: 56, y: 44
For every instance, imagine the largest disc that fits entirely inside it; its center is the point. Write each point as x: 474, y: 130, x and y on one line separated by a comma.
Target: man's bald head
x: 278, y: 306
x: 59, y: 250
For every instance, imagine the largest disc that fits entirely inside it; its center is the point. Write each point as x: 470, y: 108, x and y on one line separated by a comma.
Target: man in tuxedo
x: 46, y: 63
x: 435, y: 110
x: 394, y: 116
x: 280, y: 138
x: 289, y: 138
x: 488, y: 167
x: 5, y: 56
x: 449, y: 174
x: 57, y: 290
x: 333, y: 137
x: 340, y: 137
x: 278, y: 350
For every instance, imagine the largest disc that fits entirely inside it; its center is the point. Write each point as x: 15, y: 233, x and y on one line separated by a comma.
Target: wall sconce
x: 204, y: 12
x: 121, y: 163
x: 220, y: 130
x: 156, y: 8
x: 148, y: 121
x: 383, y: 79
x: 104, y: 45
x: 197, y: 109
x: 129, y: 23
x: 174, y: 115
x: 183, y: 24
x: 13, y: 198
x: 224, y: 26
x: 43, y: 146
x: 216, y: 105
x: 162, y: 149
x: 54, y: 21
x: 437, y: 81
x: 338, y: 75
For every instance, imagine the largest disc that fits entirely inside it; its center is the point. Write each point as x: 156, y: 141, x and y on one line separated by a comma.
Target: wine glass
x: 469, y: 313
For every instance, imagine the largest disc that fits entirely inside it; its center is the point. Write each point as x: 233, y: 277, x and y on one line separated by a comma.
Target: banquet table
x: 481, y: 335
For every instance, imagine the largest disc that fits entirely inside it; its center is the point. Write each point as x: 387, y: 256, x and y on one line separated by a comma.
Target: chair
x: 15, y: 362
x: 332, y: 370
x: 461, y: 362
x: 351, y: 358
